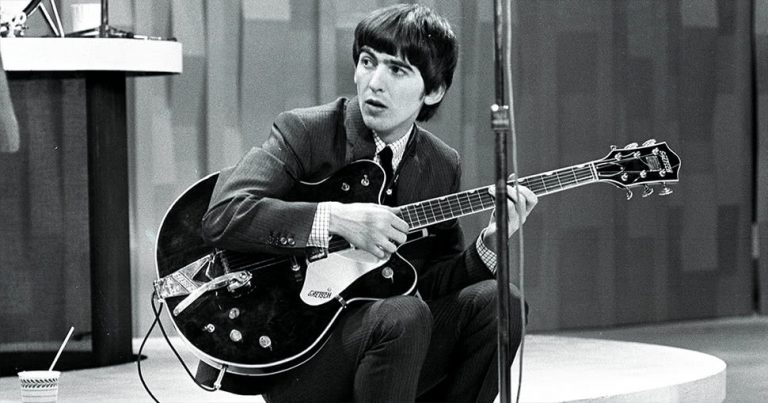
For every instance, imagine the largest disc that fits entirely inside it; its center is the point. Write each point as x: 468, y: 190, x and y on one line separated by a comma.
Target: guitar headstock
x: 648, y: 164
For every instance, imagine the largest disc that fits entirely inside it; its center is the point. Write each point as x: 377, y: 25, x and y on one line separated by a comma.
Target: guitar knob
x: 236, y: 336
x: 630, y: 146
x: 209, y: 328
x: 649, y: 142
x: 234, y: 313
x: 647, y: 191
x: 666, y: 190
x: 265, y: 342
x: 388, y: 273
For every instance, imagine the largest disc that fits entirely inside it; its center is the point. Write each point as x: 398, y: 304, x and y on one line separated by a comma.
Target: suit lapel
x: 413, y: 168
x: 360, y: 143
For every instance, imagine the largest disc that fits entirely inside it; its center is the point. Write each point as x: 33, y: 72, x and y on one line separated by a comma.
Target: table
x: 104, y: 64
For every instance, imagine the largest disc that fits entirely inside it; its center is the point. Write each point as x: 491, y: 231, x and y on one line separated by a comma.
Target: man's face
x: 391, y: 93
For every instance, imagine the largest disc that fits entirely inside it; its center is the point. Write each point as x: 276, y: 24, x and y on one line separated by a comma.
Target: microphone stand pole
x: 105, y: 31
x: 500, y: 123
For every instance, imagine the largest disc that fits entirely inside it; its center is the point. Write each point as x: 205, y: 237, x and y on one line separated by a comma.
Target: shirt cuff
x: 486, y: 255
x: 319, y: 236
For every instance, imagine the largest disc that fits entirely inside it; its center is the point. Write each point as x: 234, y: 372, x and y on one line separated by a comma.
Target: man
x: 439, y: 344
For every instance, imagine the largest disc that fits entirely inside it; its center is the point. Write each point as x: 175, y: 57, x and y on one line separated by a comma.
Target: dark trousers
x: 404, y: 349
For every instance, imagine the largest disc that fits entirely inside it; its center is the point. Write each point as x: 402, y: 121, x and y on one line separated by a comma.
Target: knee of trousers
x: 483, y: 297
x: 404, y: 315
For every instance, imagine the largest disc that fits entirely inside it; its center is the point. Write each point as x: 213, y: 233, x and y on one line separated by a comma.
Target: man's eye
x: 397, y: 70
x: 366, y: 61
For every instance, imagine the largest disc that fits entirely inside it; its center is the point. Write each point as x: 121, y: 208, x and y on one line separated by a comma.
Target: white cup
x: 39, y: 386
x: 85, y: 16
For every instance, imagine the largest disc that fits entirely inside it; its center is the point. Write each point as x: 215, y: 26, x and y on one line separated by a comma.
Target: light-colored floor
x: 741, y: 342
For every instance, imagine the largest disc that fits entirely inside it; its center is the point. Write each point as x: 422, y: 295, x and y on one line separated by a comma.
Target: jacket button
x: 283, y: 240
x: 291, y: 241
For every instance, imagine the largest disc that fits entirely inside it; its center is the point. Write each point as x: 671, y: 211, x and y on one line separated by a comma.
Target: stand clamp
x: 500, y: 120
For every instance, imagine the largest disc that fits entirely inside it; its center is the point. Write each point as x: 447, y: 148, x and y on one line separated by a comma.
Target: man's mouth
x: 375, y: 103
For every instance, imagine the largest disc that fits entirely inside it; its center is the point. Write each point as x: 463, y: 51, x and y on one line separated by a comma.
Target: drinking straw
x: 66, y: 339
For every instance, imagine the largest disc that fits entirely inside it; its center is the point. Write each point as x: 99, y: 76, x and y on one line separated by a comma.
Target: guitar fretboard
x: 444, y: 208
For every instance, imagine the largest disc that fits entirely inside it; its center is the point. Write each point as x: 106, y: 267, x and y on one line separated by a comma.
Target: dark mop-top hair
x: 417, y: 34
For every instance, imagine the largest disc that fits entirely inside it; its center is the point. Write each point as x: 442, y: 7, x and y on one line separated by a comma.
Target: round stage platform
x: 557, y: 369
x: 571, y: 369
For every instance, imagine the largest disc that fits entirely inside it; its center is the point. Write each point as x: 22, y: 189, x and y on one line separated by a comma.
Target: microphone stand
x: 105, y: 30
x: 500, y: 123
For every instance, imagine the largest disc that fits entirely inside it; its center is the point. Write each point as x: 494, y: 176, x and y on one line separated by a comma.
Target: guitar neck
x: 444, y: 208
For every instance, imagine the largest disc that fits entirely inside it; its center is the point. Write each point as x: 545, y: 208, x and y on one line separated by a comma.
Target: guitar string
x: 464, y: 201
x: 540, y: 184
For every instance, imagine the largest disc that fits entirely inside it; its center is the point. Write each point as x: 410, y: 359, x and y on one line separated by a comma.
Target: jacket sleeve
x: 248, y: 211
x: 446, y: 265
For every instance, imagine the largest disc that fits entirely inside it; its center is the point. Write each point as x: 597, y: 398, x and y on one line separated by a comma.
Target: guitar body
x: 282, y: 315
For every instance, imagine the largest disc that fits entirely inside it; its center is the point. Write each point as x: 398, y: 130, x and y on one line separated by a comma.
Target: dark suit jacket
x: 248, y: 211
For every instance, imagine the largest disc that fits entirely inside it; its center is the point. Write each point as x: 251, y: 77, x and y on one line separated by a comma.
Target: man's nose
x: 378, y: 78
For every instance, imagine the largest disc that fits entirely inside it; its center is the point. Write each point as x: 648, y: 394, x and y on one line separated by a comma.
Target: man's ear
x: 435, y: 96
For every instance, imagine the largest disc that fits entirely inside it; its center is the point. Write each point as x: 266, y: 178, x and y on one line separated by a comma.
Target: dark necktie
x: 385, y: 159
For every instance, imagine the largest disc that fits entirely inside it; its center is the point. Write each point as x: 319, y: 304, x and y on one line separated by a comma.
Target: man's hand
x: 370, y: 227
x: 515, y: 208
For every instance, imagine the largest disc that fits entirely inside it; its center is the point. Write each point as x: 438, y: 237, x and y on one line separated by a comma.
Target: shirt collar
x: 398, y: 147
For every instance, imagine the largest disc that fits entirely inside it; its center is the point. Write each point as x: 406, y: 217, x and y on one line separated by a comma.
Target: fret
x: 420, y: 214
x: 412, y: 221
x: 424, y: 213
x: 469, y: 200
x: 432, y: 210
x: 458, y: 204
x: 413, y: 215
x: 466, y: 203
x: 573, y: 173
x: 479, y: 199
x: 440, y: 203
x: 549, y: 180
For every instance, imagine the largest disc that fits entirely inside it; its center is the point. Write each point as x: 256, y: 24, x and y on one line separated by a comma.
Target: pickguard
x: 325, y: 279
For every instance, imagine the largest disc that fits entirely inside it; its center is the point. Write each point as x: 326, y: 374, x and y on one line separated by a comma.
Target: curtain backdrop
x: 587, y: 74
x: 761, y: 152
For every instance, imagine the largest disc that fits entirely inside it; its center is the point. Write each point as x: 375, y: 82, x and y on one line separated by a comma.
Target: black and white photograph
x: 377, y: 201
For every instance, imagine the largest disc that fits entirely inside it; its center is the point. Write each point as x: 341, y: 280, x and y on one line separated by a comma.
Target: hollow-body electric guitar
x: 260, y: 314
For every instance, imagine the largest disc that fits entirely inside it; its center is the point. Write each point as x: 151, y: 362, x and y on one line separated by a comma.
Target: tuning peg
x: 647, y: 191
x: 629, y: 193
x: 630, y: 146
x: 666, y: 190
x: 649, y: 142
